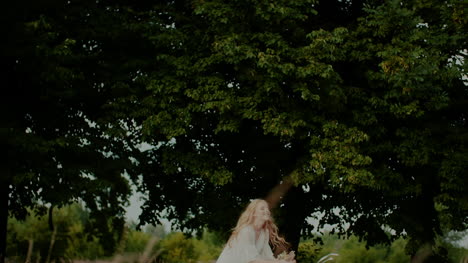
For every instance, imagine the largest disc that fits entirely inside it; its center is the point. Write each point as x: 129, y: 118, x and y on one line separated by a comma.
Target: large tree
x: 361, y: 103
x: 63, y: 64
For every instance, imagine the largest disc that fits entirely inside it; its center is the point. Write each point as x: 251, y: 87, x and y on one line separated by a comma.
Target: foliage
x: 72, y: 241
x: 178, y: 248
x: 209, y: 246
x: 353, y: 250
x: 361, y: 103
x: 308, y: 251
x: 136, y: 241
x: 61, y: 143
x: 458, y: 247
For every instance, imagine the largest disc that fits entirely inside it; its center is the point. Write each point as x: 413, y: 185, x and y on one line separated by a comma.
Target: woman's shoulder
x: 247, y: 230
x: 250, y: 229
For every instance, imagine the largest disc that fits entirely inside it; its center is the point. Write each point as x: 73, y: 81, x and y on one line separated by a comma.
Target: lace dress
x: 244, y: 248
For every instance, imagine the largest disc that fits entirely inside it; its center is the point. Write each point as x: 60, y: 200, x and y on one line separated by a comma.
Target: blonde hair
x: 247, y: 218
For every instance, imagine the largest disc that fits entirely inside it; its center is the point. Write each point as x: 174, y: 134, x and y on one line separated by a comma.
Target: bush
x: 177, y: 248
x: 307, y: 252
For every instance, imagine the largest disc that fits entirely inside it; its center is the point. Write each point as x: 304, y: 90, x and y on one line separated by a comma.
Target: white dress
x: 244, y: 248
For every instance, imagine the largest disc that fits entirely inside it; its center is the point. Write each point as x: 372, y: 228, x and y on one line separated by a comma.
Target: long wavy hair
x: 247, y: 218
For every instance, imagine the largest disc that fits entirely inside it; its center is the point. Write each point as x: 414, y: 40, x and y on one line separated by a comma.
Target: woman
x: 251, y: 238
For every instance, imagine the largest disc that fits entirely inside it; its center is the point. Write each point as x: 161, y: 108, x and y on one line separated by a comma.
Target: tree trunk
x: 30, y: 249
x: 294, y: 216
x: 51, y: 246
x: 4, y: 192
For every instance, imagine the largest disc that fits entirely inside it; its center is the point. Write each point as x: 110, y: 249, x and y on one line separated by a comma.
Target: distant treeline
x: 70, y: 237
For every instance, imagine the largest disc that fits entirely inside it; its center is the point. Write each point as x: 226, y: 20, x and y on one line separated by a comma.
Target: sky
x: 133, y: 211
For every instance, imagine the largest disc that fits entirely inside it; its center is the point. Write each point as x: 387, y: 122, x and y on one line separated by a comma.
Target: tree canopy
x: 361, y: 103
x: 60, y: 70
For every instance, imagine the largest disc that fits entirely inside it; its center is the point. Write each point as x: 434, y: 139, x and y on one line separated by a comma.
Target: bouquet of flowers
x: 286, y: 256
